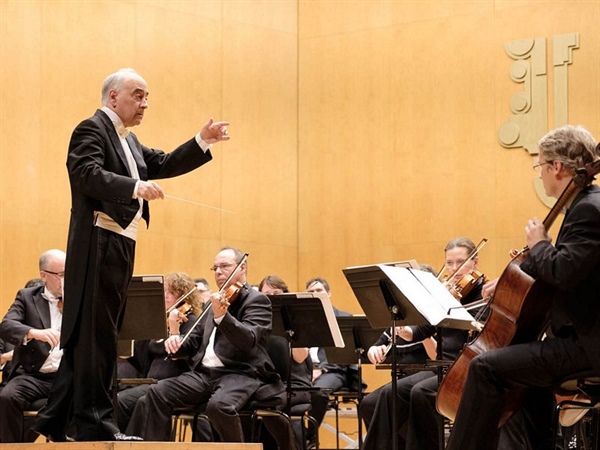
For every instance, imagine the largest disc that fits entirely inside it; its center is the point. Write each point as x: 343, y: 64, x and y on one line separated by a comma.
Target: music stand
x: 305, y: 319
x: 408, y: 296
x: 358, y: 336
x: 144, y: 316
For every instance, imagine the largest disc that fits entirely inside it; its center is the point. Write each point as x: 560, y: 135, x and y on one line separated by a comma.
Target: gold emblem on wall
x: 528, y: 120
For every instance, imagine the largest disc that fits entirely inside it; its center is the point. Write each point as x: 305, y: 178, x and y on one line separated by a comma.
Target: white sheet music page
x: 429, y: 296
x: 330, y: 315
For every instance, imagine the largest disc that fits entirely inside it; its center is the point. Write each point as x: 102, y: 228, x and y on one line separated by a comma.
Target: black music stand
x: 305, y: 319
x: 406, y: 295
x: 144, y: 316
x: 358, y: 336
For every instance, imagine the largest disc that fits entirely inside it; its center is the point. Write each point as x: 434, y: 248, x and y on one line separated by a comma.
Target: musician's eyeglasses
x: 56, y: 274
x: 538, y: 167
x: 221, y: 266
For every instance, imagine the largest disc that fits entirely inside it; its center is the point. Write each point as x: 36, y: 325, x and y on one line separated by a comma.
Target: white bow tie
x: 122, y: 131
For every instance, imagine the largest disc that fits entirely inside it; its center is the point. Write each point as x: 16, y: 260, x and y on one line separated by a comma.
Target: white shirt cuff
x: 205, y: 146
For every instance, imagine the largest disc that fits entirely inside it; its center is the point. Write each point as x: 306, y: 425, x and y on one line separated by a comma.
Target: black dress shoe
x: 124, y: 437
x: 59, y: 438
x: 50, y: 437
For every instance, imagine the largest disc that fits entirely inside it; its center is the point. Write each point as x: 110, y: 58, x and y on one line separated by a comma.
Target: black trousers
x: 376, y: 410
x: 538, y: 366
x: 224, y: 394
x: 15, y: 397
x: 82, y: 387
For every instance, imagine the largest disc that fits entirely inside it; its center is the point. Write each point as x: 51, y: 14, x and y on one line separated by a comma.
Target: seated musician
x: 301, y: 377
x: 568, y: 273
x: 417, y: 419
x: 32, y: 325
x: 327, y: 376
x: 149, y: 357
x: 230, y: 361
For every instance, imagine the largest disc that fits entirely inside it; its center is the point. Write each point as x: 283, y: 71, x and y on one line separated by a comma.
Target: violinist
x: 417, y: 419
x: 229, y: 358
x: 570, y: 268
x: 149, y: 356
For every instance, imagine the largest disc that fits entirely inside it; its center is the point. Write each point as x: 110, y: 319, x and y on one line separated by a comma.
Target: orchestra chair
x: 279, y: 352
x: 31, y: 412
x: 337, y: 398
x: 577, y: 397
x: 184, y: 417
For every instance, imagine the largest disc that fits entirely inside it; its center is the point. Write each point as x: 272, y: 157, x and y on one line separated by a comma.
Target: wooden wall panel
x: 423, y: 88
x: 60, y: 52
x: 20, y: 148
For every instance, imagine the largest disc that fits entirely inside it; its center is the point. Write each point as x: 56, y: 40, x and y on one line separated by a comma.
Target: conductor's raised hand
x: 213, y: 131
x: 149, y: 190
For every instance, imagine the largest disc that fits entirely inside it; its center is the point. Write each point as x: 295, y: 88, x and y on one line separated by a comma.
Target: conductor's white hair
x: 115, y: 81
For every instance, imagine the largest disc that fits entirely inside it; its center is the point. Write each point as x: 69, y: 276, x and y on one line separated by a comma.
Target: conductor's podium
x: 132, y: 446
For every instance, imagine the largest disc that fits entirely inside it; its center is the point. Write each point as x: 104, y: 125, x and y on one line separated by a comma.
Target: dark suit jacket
x: 5, y: 347
x: 572, y: 266
x: 240, y: 339
x: 100, y: 181
x: 29, y: 310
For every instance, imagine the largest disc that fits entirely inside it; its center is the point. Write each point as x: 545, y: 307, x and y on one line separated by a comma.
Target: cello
x: 517, y: 312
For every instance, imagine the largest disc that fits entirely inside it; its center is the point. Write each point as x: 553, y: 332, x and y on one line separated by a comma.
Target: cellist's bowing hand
x: 487, y: 291
x: 536, y: 232
x: 219, y: 304
x: 173, y: 344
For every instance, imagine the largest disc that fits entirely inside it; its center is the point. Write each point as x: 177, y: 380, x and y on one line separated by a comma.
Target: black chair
x: 289, y: 410
x: 30, y: 413
x: 579, y: 406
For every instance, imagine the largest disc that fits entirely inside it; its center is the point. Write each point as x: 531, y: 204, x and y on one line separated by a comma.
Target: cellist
x: 571, y: 267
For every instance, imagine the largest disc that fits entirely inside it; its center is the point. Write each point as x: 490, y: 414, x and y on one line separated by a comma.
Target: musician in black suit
x: 149, y: 356
x: 327, y: 376
x: 108, y: 171
x: 6, y: 354
x: 32, y: 325
x: 229, y: 355
x: 570, y: 270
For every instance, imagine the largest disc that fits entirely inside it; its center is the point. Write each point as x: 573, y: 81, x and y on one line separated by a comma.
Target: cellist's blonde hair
x: 573, y: 146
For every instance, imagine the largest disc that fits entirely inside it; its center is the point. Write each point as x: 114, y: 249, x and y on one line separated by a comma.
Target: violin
x: 227, y: 293
x: 465, y: 284
x: 461, y: 286
x: 184, y: 308
x: 228, y: 296
x: 183, y: 312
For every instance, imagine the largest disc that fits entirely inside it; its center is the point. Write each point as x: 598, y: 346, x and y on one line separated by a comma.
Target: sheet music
x: 430, y: 298
x: 329, y: 314
x: 310, y: 303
